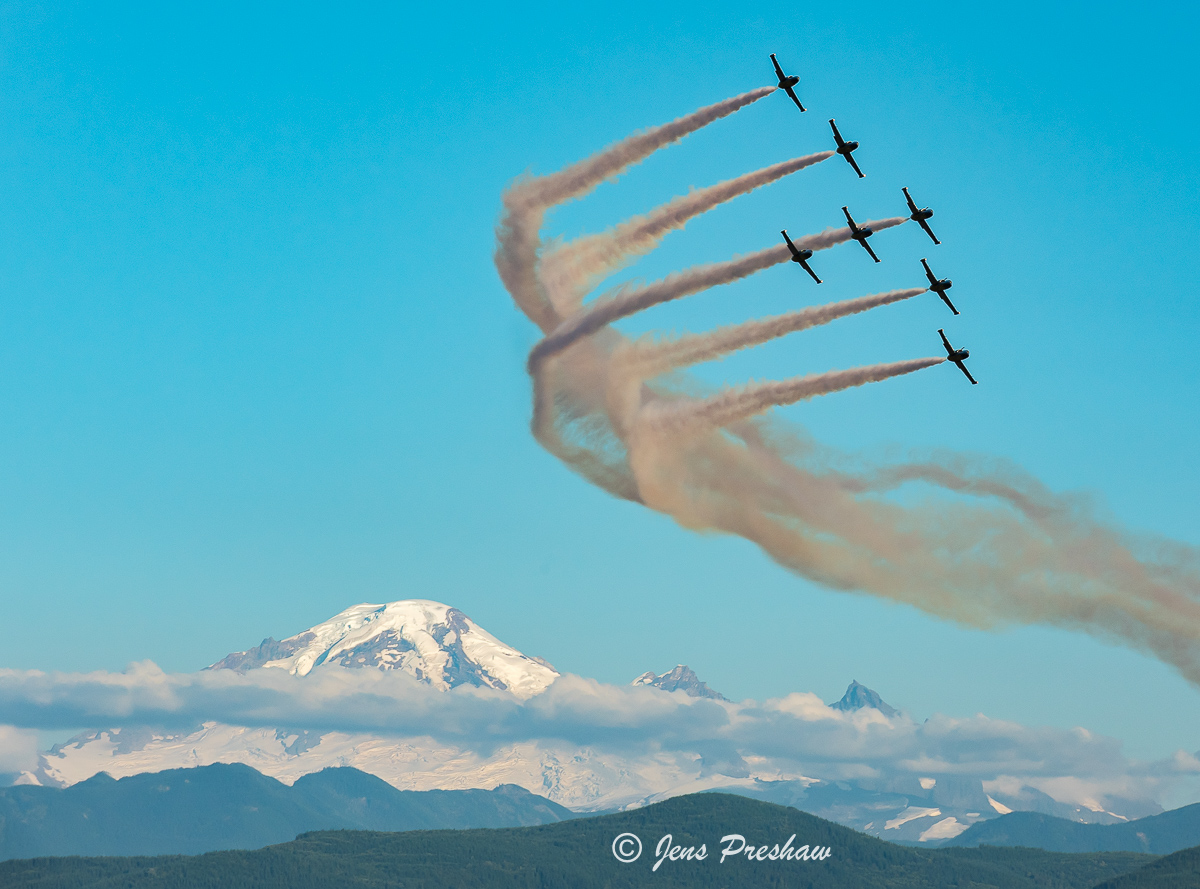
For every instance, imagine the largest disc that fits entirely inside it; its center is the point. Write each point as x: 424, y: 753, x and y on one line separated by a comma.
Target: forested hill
x: 579, y: 854
x: 232, y: 806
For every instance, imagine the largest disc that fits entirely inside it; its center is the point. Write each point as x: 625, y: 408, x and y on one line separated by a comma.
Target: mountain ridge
x: 233, y: 806
x: 1160, y: 834
x: 680, y: 678
x: 580, y: 854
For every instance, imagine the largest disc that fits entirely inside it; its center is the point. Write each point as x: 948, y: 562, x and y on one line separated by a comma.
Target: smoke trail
x: 648, y: 359
x: 629, y: 301
x: 1002, y: 550
x: 525, y: 203
x: 580, y: 178
x: 571, y: 270
x: 741, y: 404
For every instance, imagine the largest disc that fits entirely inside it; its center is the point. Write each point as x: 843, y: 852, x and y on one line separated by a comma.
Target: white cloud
x: 18, y: 749
x: 796, y: 734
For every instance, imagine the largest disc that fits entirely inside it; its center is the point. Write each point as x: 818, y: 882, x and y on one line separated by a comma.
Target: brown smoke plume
x: 571, y: 270
x: 526, y: 202
x: 1003, y: 549
x: 731, y: 406
x: 650, y: 358
x: 626, y: 301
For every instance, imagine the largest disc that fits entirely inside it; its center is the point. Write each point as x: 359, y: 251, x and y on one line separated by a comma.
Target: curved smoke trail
x: 571, y: 270
x: 651, y: 358
x: 628, y: 301
x: 1003, y: 550
x: 526, y: 202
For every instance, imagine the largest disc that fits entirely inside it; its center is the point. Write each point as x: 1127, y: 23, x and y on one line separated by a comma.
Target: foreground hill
x: 234, y: 807
x: 579, y: 854
x: 1178, y: 871
x: 1158, y: 834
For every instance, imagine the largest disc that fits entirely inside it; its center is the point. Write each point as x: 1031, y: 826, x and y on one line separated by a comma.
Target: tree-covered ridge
x: 579, y: 854
x: 232, y: 806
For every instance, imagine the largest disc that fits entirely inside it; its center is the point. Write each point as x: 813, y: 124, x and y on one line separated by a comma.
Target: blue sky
x: 256, y: 365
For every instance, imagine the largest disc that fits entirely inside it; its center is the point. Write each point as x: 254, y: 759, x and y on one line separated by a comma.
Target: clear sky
x: 256, y: 364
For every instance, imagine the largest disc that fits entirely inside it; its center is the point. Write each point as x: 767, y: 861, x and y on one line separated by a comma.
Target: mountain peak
x: 432, y: 641
x: 683, y: 679
x: 858, y: 696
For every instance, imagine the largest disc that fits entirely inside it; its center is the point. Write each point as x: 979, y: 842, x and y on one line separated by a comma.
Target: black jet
x: 920, y: 215
x: 800, y: 256
x: 846, y: 149
x: 939, y: 286
x: 958, y: 356
x: 860, y: 234
x: 786, y: 82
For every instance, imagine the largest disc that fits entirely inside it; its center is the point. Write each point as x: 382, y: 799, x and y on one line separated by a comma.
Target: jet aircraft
x: 958, y: 356
x: 920, y: 215
x: 787, y: 82
x: 800, y: 256
x: 939, y: 286
x: 860, y: 234
x: 846, y: 149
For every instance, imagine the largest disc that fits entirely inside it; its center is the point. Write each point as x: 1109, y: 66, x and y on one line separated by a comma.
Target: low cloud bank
x: 791, y: 735
x: 18, y: 749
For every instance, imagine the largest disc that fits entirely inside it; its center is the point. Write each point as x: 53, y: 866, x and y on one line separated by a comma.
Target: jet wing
x: 804, y: 265
x: 928, y: 230
x: 867, y: 247
x: 791, y: 246
x: 850, y: 220
x: 837, y: 137
x: 908, y: 198
x: 850, y: 158
x: 963, y: 368
x: 945, y: 342
x: 788, y: 90
x: 928, y: 273
x: 778, y: 70
x: 946, y: 300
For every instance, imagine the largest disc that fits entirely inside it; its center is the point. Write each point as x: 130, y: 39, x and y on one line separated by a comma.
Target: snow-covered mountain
x: 683, y: 678
x: 431, y: 641
x: 441, y: 646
